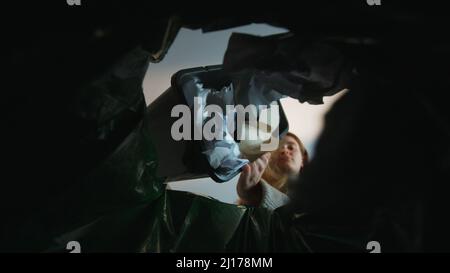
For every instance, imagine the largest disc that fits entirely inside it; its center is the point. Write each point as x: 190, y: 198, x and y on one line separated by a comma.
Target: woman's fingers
x: 262, y: 162
x: 250, y: 177
x: 246, y: 171
x: 252, y: 172
x: 244, y: 183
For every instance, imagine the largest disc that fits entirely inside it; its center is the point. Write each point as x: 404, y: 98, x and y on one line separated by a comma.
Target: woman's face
x: 288, y: 157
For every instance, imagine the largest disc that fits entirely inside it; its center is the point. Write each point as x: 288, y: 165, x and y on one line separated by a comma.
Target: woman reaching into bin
x: 264, y: 182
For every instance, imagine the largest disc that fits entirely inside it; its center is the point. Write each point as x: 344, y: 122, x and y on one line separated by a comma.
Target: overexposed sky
x: 192, y: 48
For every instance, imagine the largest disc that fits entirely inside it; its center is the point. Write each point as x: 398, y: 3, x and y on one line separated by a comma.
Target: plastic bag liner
x: 194, y: 157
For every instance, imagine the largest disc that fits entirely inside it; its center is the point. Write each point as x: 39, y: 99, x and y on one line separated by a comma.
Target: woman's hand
x: 248, y: 187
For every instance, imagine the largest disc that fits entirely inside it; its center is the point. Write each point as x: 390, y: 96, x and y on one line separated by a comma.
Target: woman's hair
x: 275, y: 177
